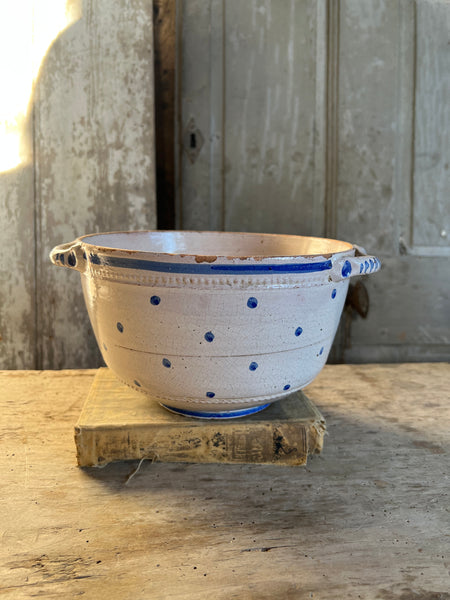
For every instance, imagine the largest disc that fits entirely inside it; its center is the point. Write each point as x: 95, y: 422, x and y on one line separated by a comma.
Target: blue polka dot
x: 361, y: 267
x: 166, y: 362
x: 333, y: 294
x: 346, y: 269
x: 252, y: 302
x: 155, y: 300
x: 120, y: 326
x: 298, y: 331
x: 321, y: 351
x: 209, y: 336
x: 287, y: 387
x: 136, y: 382
x: 366, y: 266
x: 253, y: 366
x: 210, y: 394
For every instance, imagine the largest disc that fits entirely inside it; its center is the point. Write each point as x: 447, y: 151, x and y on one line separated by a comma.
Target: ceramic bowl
x: 214, y: 324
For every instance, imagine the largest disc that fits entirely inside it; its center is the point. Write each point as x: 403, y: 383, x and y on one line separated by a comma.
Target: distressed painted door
x: 328, y: 118
x: 82, y: 72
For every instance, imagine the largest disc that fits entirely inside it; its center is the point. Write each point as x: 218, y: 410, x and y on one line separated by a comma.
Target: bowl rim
x: 342, y: 247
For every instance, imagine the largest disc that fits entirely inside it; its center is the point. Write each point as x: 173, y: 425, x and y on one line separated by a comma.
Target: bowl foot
x: 225, y: 414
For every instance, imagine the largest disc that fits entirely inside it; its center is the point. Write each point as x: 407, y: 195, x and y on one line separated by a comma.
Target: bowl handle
x: 69, y: 255
x: 349, y: 266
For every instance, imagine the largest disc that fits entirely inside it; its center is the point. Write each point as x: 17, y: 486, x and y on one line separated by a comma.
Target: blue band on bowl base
x: 226, y: 414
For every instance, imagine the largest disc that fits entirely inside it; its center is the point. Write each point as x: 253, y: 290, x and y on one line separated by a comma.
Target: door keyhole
x: 192, y: 140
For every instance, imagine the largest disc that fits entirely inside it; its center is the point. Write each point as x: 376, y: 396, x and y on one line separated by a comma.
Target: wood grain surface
x: 369, y: 518
x: 95, y: 170
x: 87, y: 149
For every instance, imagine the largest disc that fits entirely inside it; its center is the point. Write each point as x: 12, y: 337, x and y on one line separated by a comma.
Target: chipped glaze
x: 209, y: 332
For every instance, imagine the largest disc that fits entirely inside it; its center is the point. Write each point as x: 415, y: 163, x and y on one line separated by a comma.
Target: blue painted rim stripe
x: 207, y: 268
x: 229, y: 414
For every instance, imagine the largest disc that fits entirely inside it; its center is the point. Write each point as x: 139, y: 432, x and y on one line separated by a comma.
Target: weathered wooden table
x: 369, y: 518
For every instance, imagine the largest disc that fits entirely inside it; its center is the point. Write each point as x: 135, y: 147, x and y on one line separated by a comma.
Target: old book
x: 118, y: 423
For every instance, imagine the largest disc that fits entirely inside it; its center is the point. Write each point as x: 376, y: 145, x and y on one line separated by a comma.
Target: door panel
x: 329, y: 118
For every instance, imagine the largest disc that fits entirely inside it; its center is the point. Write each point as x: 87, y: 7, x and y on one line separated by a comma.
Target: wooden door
x: 328, y: 118
x: 86, y: 162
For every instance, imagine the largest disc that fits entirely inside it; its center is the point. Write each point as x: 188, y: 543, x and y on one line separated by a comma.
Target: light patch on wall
x: 27, y: 30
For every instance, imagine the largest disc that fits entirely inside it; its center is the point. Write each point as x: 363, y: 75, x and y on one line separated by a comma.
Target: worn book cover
x: 118, y: 423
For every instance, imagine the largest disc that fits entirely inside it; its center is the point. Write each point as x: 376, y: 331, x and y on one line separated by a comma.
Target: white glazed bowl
x: 214, y: 324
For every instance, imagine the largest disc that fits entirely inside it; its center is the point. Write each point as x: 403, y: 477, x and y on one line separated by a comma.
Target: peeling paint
x: 94, y: 171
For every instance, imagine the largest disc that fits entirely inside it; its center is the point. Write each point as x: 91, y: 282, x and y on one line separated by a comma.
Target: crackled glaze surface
x: 180, y: 316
